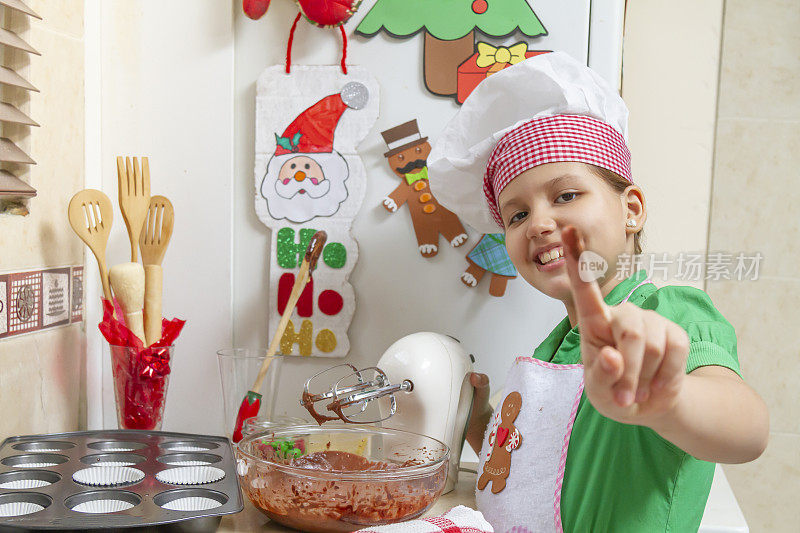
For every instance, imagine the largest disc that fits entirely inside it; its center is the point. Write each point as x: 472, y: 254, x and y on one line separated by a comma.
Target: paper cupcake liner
x: 120, y: 449
x: 114, y: 463
x: 19, y: 508
x: 24, y: 484
x: 188, y: 463
x: 190, y: 475
x: 108, y: 475
x: 102, y: 506
x: 192, y: 503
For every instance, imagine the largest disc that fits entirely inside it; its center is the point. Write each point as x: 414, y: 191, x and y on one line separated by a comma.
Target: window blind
x: 14, y: 123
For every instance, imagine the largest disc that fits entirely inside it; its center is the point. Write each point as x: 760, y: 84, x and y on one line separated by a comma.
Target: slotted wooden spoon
x: 153, y: 241
x: 134, y: 197
x: 90, y: 214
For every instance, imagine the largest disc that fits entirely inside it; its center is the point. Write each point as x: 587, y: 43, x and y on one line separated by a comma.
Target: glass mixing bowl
x: 341, y: 477
x: 256, y: 424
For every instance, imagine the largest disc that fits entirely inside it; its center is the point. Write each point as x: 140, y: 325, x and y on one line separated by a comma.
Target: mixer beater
x: 352, y: 393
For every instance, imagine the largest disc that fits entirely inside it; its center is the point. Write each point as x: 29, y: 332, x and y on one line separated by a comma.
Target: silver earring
x: 631, y: 223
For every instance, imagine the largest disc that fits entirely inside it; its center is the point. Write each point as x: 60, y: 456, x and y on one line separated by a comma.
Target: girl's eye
x: 516, y: 217
x: 568, y: 196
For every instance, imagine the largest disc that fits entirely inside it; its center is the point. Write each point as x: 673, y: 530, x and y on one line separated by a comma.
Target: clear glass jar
x: 141, y: 378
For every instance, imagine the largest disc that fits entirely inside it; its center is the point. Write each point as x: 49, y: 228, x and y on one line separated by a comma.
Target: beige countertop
x: 251, y: 519
x: 722, y: 513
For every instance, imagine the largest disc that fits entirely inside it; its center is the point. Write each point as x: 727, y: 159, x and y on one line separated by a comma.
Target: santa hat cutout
x: 312, y: 130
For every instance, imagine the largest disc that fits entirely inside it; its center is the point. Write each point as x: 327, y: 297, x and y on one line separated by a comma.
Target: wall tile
x: 761, y: 60
x: 763, y: 312
x: 39, y: 384
x: 767, y: 488
x: 755, y: 193
x: 754, y: 198
x: 670, y: 87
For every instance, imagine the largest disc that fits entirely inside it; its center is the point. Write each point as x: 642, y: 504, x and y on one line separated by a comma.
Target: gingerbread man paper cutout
x: 503, y: 439
x: 407, y: 157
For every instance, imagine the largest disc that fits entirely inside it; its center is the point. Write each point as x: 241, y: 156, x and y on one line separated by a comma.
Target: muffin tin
x: 117, y: 479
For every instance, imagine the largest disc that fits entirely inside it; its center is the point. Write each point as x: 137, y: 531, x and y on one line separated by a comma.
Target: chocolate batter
x: 321, y: 505
x: 314, y: 249
x: 309, y: 405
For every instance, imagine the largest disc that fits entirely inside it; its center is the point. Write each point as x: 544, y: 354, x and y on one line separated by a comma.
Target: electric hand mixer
x: 421, y: 382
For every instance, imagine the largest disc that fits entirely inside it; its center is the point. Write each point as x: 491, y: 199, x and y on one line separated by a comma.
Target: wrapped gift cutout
x: 488, y: 60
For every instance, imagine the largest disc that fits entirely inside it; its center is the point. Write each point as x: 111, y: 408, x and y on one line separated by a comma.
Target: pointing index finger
x: 587, y: 298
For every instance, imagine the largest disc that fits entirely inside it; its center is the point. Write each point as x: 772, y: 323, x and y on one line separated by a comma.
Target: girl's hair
x: 619, y: 184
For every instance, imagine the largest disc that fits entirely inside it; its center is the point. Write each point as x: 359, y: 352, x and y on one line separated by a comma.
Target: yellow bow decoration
x: 488, y: 55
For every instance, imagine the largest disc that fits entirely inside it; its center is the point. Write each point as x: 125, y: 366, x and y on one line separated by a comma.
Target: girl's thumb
x: 481, y: 384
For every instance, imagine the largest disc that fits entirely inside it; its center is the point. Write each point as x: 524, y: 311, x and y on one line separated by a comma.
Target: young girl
x: 615, y: 422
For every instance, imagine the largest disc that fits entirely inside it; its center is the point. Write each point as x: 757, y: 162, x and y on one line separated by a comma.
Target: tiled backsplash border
x: 33, y: 300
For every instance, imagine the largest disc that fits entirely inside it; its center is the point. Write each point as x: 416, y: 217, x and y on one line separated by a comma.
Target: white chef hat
x: 545, y: 109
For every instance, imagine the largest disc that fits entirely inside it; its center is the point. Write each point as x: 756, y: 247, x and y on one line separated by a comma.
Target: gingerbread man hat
x: 546, y: 109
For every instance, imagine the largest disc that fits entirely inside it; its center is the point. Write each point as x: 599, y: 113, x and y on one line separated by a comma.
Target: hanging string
x: 289, y: 44
x: 344, y: 48
x: 291, y: 41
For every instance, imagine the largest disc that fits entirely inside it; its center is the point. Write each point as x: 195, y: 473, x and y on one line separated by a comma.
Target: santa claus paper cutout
x: 309, y: 177
x: 306, y: 177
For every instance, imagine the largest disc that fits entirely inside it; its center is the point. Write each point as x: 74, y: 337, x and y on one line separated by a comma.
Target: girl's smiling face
x: 539, y: 203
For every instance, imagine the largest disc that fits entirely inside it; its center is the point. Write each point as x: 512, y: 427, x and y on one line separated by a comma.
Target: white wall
x: 178, y: 84
x: 166, y: 77
x: 397, y: 291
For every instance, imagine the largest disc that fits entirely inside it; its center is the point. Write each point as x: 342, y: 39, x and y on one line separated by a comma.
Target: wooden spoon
x: 90, y: 214
x: 153, y: 242
x: 134, y: 197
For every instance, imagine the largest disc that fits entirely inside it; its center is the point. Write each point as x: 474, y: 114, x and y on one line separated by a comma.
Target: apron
x: 524, y: 452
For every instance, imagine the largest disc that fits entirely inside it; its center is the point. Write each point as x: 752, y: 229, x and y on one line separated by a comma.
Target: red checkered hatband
x: 553, y: 139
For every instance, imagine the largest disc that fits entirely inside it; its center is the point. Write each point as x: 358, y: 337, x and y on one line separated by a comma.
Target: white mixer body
x: 440, y: 402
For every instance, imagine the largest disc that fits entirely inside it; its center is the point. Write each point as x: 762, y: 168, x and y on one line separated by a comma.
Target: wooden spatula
x: 153, y: 241
x: 90, y: 214
x: 134, y: 197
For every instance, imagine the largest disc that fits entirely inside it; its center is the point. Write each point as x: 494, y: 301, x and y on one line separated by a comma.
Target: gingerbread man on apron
x: 504, y: 438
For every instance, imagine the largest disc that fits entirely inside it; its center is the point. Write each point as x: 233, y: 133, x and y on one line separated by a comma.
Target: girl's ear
x: 635, y: 207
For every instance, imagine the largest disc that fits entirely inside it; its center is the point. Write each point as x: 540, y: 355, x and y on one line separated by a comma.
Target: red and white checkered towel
x: 457, y: 520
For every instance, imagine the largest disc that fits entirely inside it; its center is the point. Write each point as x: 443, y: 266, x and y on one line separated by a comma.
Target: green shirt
x: 627, y: 478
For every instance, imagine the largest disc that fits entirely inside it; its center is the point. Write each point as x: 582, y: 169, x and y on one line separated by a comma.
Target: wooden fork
x: 90, y: 214
x: 153, y: 242
x: 134, y: 197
